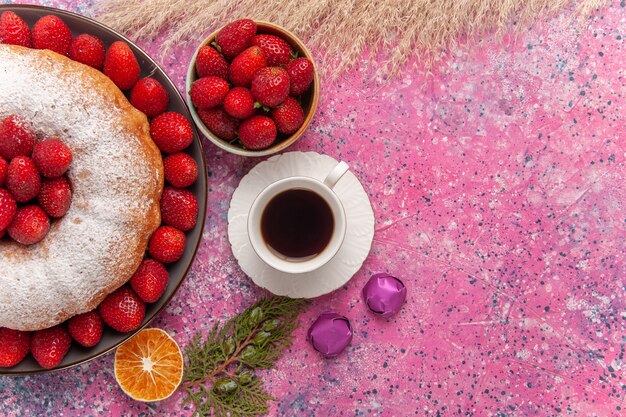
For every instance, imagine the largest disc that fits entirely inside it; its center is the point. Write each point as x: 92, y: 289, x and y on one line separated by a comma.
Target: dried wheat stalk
x: 340, y: 30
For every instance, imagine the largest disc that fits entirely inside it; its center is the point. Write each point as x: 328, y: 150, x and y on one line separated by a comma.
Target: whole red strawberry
x: 277, y: 50
x: 88, y: 50
x: 8, y: 208
x: 150, y: 280
x: 219, y: 123
x: 301, y: 74
x: 121, y: 66
x: 30, y: 225
x: 4, y: 168
x: 55, y: 196
x: 239, y: 103
x: 52, y: 157
x: 16, y: 137
x: 211, y: 62
x: 50, y: 32
x: 171, y: 132
x: 14, y: 346
x: 270, y: 86
x: 258, y: 132
x: 235, y: 37
x: 180, y: 169
x: 289, y: 116
x: 179, y: 208
x: 150, y: 97
x: 13, y: 30
x: 244, y: 66
x: 123, y: 310
x: 167, y: 244
x: 86, y: 328
x: 49, y: 346
x: 23, y: 180
x: 208, y: 92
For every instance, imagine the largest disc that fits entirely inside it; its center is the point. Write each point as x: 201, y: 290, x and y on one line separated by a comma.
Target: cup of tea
x: 298, y: 224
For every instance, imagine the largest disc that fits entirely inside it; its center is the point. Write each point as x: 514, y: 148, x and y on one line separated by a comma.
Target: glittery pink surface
x: 498, y: 186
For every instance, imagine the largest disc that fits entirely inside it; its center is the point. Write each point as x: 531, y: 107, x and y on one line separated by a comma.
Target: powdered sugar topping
x: 113, y: 179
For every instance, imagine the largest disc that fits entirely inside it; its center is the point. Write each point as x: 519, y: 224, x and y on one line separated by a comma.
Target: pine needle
x: 340, y: 31
x: 219, y: 374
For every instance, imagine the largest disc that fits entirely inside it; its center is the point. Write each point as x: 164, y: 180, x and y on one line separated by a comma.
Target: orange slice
x: 149, y: 366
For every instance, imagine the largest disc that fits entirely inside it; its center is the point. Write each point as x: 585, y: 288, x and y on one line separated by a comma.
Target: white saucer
x: 351, y: 255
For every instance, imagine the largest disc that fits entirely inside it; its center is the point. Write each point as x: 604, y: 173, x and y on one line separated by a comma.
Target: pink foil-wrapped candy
x: 384, y: 294
x: 330, y: 334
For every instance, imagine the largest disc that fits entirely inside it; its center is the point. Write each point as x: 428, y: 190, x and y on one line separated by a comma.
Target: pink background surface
x: 497, y: 183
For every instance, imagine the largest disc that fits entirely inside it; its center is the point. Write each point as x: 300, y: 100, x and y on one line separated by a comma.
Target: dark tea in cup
x: 297, y: 223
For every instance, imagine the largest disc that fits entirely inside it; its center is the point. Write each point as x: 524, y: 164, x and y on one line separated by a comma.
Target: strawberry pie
x: 86, y: 225
x: 83, y: 232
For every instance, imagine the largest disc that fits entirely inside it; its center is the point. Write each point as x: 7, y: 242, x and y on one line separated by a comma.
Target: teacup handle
x: 337, y: 172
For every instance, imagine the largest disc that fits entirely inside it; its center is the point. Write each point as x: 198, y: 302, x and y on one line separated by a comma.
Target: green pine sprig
x: 219, y: 375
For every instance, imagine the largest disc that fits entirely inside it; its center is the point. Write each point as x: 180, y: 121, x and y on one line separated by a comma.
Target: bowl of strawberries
x: 252, y: 88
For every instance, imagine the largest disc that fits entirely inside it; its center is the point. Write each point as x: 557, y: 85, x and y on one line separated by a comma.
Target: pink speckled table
x: 498, y: 185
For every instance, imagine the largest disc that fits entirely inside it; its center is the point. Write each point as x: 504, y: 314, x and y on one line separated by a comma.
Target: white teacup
x: 323, y: 189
